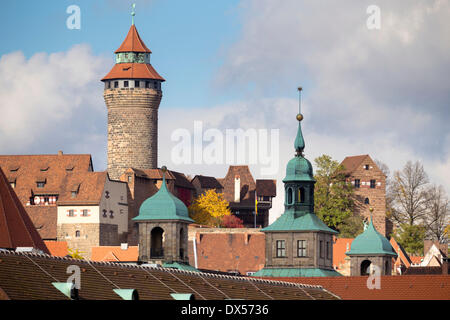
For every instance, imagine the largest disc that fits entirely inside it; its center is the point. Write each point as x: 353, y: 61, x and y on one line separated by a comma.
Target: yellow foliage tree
x: 75, y: 254
x: 209, y: 208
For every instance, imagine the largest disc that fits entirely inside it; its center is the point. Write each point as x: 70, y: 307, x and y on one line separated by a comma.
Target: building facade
x: 369, y: 184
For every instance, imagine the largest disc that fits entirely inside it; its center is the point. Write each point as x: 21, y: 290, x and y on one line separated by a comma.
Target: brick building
x: 369, y: 184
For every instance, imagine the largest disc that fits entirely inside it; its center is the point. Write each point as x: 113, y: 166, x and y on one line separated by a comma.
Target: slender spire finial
x: 133, y: 13
x: 299, y: 142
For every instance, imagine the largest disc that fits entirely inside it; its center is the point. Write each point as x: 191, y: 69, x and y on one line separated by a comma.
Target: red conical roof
x: 133, y: 42
x: 16, y: 227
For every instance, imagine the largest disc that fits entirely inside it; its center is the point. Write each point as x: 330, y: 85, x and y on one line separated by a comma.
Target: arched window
x: 290, y: 195
x: 156, y: 248
x: 365, y: 267
x: 366, y: 201
x: 181, y: 241
x: 77, y: 234
x: 386, y: 268
x: 301, y: 195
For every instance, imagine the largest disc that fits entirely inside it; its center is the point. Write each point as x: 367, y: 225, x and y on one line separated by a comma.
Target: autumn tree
x: 333, y: 196
x: 231, y: 221
x: 209, y: 208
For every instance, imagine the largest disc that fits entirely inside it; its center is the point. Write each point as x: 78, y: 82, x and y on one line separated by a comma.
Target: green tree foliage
x: 209, y: 209
x: 351, y: 227
x: 411, y: 237
x: 333, y: 198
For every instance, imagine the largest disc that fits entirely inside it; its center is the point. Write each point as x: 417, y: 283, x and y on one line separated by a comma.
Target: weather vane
x: 133, y: 13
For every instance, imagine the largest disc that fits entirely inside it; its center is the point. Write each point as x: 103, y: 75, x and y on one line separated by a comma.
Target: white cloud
x: 53, y: 102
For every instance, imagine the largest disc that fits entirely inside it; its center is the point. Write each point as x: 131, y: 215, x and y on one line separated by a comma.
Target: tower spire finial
x: 133, y: 13
x: 299, y: 142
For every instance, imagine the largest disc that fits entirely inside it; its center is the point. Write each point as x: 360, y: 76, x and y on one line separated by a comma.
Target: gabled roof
x: 352, y: 163
x: 16, y: 227
x: 89, y: 187
x: 133, y: 71
x: 181, y: 181
x: 402, y: 255
x: 208, y: 182
x: 266, y: 187
x: 133, y: 42
x: 247, y: 184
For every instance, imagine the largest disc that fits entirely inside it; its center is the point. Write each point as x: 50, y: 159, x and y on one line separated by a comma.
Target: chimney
x: 60, y: 153
x: 237, y: 188
x: 124, y: 246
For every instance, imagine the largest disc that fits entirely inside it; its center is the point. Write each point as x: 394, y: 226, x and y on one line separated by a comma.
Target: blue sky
x: 236, y: 64
x: 187, y: 38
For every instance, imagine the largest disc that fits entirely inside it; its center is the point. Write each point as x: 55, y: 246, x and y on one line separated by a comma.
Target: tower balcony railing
x: 156, y: 253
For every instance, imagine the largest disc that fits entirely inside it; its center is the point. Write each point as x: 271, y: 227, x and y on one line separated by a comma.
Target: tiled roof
x: 339, y: 249
x: 402, y: 255
x: 133, y: 42
x: 30, y: 276
x: 16, y: 227
x: 57, y: 248
x: 133, y: 71
x: 181, y: 180
x: 351, y: 163
x: 423, y: 287
x: 208, y: 182
x: 115, y: 254
x: 266, y: 187
x: 89, y: 187
x: 154, y: 174
x: 416, y: 259
x: 26, y: 170
x: 247, y: 184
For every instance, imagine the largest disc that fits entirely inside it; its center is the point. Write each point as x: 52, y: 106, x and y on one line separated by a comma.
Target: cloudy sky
x: 236, y: 64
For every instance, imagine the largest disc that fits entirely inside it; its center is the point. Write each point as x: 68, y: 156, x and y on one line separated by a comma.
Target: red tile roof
x: 16, y: 227
x: 339, y: 250
x: 88, y: 185
x: 57, y: 248
x: 414, y: 287
x: 133, y: 71
x: 133, y: 42
x: 115, y: 254
x: 351, y: 163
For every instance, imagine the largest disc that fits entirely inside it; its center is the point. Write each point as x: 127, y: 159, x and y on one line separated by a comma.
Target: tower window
x: 77, y: 234
x: 357, y: 183
x: 321, y: 248
x: 301, y: 195
x: 85, y: 212
x: 125, y: 84
x: 136, y: 84
x: 108, y: 84
x: 147, y: 84
x: 328, y: 250
x: 366, y: 167
x: 372, y: 184
x: 71, y: 213
x: 366, y: 201
x: 116, y: 84
x: 155, y: 85
x: 281, y: 249
x: 301, y: 246
x: 290, y: 195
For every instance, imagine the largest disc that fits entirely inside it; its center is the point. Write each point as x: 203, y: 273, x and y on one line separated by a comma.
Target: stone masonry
x: 132, y: 128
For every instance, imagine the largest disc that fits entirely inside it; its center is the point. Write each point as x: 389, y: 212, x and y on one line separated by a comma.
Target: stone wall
x: 132, y: 129
x: 376, y: 196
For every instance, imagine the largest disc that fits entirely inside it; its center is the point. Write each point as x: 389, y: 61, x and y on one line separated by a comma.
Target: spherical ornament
x: 164, y: 169
x: 299, y: 117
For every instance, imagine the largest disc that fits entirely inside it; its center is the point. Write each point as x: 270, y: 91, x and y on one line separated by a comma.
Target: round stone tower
x: 132, y: 95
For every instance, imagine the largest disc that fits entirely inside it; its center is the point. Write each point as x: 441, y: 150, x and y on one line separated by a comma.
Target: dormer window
x: 40, y: 184
x: 44, y: 168
x: 14, y: 168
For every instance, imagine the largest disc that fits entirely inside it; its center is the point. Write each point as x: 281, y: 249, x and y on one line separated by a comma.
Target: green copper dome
x: 163, y: 206
x: 299, y: 169
x: 371, y: 242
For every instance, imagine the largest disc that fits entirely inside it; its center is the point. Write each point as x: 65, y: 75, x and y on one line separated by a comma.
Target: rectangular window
x: 321, y: 248
x: 281, y: 249
x: 328, y: 250
x: 155, y: 85
x: 108, y: 84
x: 136, y: 84
x: 372, y: 184
x: 71, y: 213
x: 116, y: 84
x: 125, y: 84
x: 357, y: 183
x: 366, y: 167
x: 85, y: 213
x: 301, y: 245
x: 40, y: 184
x: 147, y: 84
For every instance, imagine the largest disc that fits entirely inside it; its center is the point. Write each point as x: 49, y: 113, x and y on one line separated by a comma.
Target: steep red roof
x: 16, y: 228
x: 351, y: 163
x: 133, y: 42
x: 340, y: 247
x: 133, y: 71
